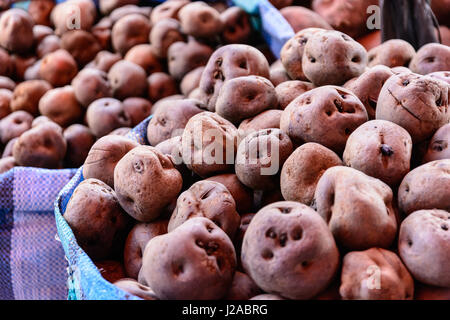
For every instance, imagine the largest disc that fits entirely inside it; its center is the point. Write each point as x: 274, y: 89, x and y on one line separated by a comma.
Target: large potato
x: 17, y: 30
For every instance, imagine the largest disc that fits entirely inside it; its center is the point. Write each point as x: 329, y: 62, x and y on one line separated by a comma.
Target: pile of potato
x: 357, y: 207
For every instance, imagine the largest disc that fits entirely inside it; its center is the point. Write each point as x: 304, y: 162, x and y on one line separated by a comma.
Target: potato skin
x: 27, y: 94
x: 160, y: 85
x: 15, y: 22
x: 137, y: 109
x: 289, y: 90
x: 303, y: 169
x: 430, y: 58
x: 124, y: 72
x: 200, y: 267
x: 7, y: 163
x: 128, y: 31
x: 289, y: 242
x: 439, y: 145
x: 91, y: 84
x: 392, y: 53
x: 58, y: 68
x: 265, y: 120
x: 424, y: 246
x: 82, y: 45
x: 104, y: 60
x: 164, y: 33
x: 359, y: 272
x: 143, y: 55
x: 61, y: 106
x: 106, y: 114
x: 79, y: 141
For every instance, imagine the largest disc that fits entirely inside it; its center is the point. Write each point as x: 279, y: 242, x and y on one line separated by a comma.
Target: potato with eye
x: 392, y: 53
x: 303, y: 169
x: 43, y: 146
x: 122, y: 74
x: 14, y: 124
x: 61, y: 106
x: 135, y: 244
x: 380, y: 149
x: 142, y: 55
x: 91, y: 84
x: 138, y: 178
x: 128, y: 31
x: 201, y: 265
x: 357, y: 208
x: 209, y: 144
x: 242, y: 288
x: 135, y: 288
x: 167, y: 9
x: 424, y: 246
x: 289, y: 90
x: 375, y: 274
x: 191, y: 80
x: 15, y: 22
x: 300, y: 18
x: 228, y: 62
x: 430, y: 58
x: 237, y: 27
x: 27, y: 94
x: 160, y: 85
x: 289, y: 242
x: 79, y: 141
x: 332, y: 58
x: 260, y: 157
x: 106, y: 114
x: 96, y: 218
x: 265, y: 120
x: 165, y: 33
x: 62, y: 16
x: 103, y: 61
x: 367, y: 87
x: 103, y: 157
x: 171, y: 118
x: 426, y: 187
x: 438, y: 147
x: 199, y: 20
x: 107, y: 6
x: 82, y: 45
x: 417, y: 103
x: 208, y: 199
x: 58, y: 68
x: 311, y: 117
x: 137, y: 109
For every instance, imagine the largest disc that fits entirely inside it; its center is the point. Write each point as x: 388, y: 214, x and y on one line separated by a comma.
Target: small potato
x: 167, y: 9
x: 6, y: 64
x: 313, y: 115
x: 237, y: 26
x: 244, y: 97
x: 21, y: 64
x: 7, y: 83
x: 58, y: 68
x: 41, y: 31
x: 439, y: 145
x: 161, y: 85
x: 32, y: 72
x: 417, y: 103
x: 79, y: 141
x: 42, y: 146
x: 6, y: 164
x: 260, y: 157
x: 5, y: 102
x: 280, y: 4
x: 357, y: 208
x: 430, y: 58
x: 137, y: 109
x: 300, y: 18
x: 289, y: 242
x: 426, y: 187
x: 125, y: 10
x: 82, y: 45
x: 106, y: 114
x: 424, y: 246
x: 103, y: 157
x: 278, y: 74
x: 17, y: 30
x: 265, y: 120
x: 303, y: 169
x: 102, y: 33
x: 91, y: 84
x: 164, y: 33
x: 61, y: 106
x: 122, y: 74
x: 40, y: 11
x: 27, y: 94
x: 200, y: 266
x: 130, y: 30
x: 111, y: 270
x: 40, y: 120
x: 380, y: 149
x: 14, y: 124
x: 71, y: 14
x: 104, y: 60
x: 199, y: 20
x: 191, y: 80
x: 96, y: 218
x: 138, y: 178
x: 332, y: 58
x: 143, y: 56
x: 135, y: 288
x: 171, y: 118
x: 107, y: 6
x: 392, y: 53
x: 375, y: 274
x: 289, y: 90
x: 135, y: 244
x: 242, y: 288
x: 49, y: 44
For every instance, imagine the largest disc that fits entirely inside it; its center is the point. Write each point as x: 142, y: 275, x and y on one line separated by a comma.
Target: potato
x: 392, y: 53
x: 61, y: 106
x: 6, y: 64
x: 357, y: 208
x: 6, y: 83
x: 161, y: 85
x: 14, y: 124
x: 15, y: 22
x: 111, y: 270
x: 164, y: 33
x: 79, y: 141
x: 375, y: 274
x: 137, y: 109
x: 135, y: 288
x: 425, y: 292
x: 49, y: 44
x: 40, y: 120
x: 267, y: 296
x: 430, y: 58
x: 417, y: 103
x: 441, y: 75
x: 40, y: 10
x: 332, y: 58
x: 209, y: 143
x: 128, y: 31
x: 103, y: 61
x: 107, y: 6
x: 424, y: 246
x: 289, y: 242
x: 242, y: 288
x: 40, y: 31
x: 6, y: 164
x: 191, y: 80
x: 289, y: 90
x: 278, y: 74
x: 380, y: 149
x: 123, y: 131
x: 102, y: 33
x: 42, y: 146
x: 138, y: 178
x: 82, y: 45
x: 438, y: 147
x: 5, y: 102
x: 135, y: 244
x: 201, y: 264
x: 313, y: 115
x: 237, y: 26
x: 103, y: 157
x: 161, y: 101
x: 73, y: 14
x: 122, y: 74
x: 27, y: 94
x: 303, y: 169
x: 167, y: 9
x: 171, y: 118
x: 142, y: 55
x: 127, y: 9
x: 96, y: 218
x: 300, y: 18
x: 265, y: 120
x: 58, y: 68
x: 91, y: 84
x: 199, y: 20
x: 106, y: 114
x: 426, y: 187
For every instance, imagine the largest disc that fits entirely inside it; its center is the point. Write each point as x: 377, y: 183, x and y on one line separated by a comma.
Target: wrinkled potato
x: 14, y: 124
x: 122, y: 74
x: 160, y: 85
x: 128, y: 31
x: 265, y: 120
x: 289, y: 90
x: 61, y: 106
x: 106, y: 114
x: 135, y: 288
x: 439, y: 145
x: 27, y: 94
x: 242, y: 288
x: 91, y: 84
x: 79, y: 141
x: 58, y: 68
x: 430, y: 58
x: 17, y: 30
x: 142, y: 55
x: 237, y: 26
x: 357, y: 208
x: 392, y: 53
x: 200, y: 20
x: 300, y: 18
x: 289, y: 242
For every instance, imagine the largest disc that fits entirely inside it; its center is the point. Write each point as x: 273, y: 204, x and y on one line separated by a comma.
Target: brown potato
x: 103, y: 157
x: 430, y: 58
x: 191, y: 80
x: 303, y: 169
x: 167, y: 9
x: 41, y: 31
x: 91, y: 84
x: 289, y: 242
x: 199, y: 20
x: 128, y: 31
x: 201, y: 264
x: 49, y: 44
x: 300, y: 18
x: 441, y: 75
x: 127, y: 9
x: 242, y: 288
x: 79, y: 141
x: 5, y: 102
x: 27, y: 94
x: 6, y: 164
x: 107, y: 6
x: 96, y: 218
x: 424, y: 246
x: 265, y: 120
x: 138, y: 178
x: 311, y: 117
x: 102, y: 33
x: 61, y: 106
x: 122, y: 74
x: 142, y: 55
x: 6, y: 64
x: 14, y: 124
x: 392, y: 53
x: 164, y: 33
x: 103, y: 61
x: 17, y: 30
x: 289, y: 90
x: 375, y: 274
x: 73, y: 14
x: 425, y: 292
x: 135, y: 288
x: 237, y: 26
x: 278, y: 74
x: 6, y: 83
x: 111, y: 270
x: 357, y: 208
x: 40, y: 11
x: 58, y: 68
x: 82, y: 45
x: 106, y: 114
x: 160, y: 85
x: 439, y: 145
x: 137, y: 109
